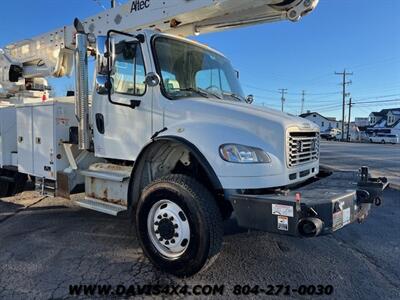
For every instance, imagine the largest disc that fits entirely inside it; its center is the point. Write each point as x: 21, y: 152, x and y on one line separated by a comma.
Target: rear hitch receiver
x: 370, y: 190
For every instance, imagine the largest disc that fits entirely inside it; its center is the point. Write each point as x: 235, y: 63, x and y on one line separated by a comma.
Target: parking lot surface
x: 383, y: 160
x: 48, y: 244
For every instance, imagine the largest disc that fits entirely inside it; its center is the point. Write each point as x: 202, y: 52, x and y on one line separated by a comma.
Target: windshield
x: 188, y: 70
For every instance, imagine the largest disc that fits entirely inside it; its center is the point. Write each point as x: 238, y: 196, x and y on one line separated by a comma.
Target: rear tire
x: 179, y: 225
x: 11, y: 182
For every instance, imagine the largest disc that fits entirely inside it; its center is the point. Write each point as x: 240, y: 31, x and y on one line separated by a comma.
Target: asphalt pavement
x: 382, y: 159
x: 48, y: 244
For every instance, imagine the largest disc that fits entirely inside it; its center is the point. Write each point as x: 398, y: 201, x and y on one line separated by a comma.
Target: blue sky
x: 361, y: 36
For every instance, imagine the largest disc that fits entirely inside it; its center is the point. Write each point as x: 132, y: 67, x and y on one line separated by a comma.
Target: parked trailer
x: 169, y: 136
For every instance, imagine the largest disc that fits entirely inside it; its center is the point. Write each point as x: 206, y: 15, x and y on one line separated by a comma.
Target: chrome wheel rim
x: 168, y: 229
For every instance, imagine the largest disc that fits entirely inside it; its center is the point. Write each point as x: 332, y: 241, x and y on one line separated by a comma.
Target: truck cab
x: 197, y: 98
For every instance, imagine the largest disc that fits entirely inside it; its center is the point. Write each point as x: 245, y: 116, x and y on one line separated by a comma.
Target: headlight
x: 243, y: 154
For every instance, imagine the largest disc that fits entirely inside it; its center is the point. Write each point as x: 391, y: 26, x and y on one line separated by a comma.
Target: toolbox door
x: 43, y: 141
x: 24, y: 140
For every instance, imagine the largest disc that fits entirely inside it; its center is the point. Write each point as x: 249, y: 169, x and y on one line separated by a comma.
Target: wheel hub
x: 168, y: 229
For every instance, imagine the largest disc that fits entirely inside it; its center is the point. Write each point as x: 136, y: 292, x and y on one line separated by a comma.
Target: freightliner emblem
x: 300, y: 146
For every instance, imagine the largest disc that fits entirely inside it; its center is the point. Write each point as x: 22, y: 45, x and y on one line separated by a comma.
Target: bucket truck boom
x: 51, y: 54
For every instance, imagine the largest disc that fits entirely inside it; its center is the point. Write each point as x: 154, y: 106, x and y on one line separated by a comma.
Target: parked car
x: 329, y: 134
x: 385, y: 139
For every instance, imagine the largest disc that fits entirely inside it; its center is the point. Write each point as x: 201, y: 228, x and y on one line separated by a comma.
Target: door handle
x: 135, y: 103
x: 100, y: 123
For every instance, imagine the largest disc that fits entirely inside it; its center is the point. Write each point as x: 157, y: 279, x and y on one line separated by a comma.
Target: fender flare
x: 134, y: 192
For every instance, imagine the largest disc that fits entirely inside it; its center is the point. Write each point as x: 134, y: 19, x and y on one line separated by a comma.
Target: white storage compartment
x: 8, y: 135
x: 42, y: 129
x: 24, y: 139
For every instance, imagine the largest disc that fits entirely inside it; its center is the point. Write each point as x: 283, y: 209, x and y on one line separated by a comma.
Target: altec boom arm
x: 51, y: 54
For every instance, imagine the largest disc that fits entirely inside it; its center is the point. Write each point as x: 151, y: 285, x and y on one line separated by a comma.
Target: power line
x: 261, y: 89
x: 303, y: 94
x: 377, y: 101
x: 294, y: 94
x: 344, y: 84
x: 379, y: 97
x: 98, y: 2
x: 283, y: 92
x: 348, y: 122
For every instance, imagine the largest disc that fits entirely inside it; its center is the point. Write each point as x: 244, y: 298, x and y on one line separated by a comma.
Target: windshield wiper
x: 233, y: 95
x: 212, y: 94
x: 197, y: 91
x: 201, y: 92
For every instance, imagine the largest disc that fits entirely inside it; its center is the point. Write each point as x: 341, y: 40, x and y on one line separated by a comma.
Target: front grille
x: 303, y: 148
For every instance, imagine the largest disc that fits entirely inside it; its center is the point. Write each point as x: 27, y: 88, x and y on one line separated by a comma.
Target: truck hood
x: 209, y: 123
x: 214, y: 109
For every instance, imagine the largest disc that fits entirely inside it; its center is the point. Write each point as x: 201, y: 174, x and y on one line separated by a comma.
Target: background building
x: 387, y: 121
x: 325, y: 123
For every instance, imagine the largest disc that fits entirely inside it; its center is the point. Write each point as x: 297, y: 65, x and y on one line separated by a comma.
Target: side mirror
x: 237, y: 74
x: 101, y: 55
x: 250, y: 99
x: 152, y: 79
x: 103, y: 85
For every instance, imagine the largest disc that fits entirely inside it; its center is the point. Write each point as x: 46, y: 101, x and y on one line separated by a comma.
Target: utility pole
x: 112, y: 3
x: 348, y: 123
x: 283, y: 92
x: 344, y: 83
x: 303, y: 94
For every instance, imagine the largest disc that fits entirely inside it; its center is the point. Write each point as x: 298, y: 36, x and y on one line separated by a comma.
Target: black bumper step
x: 321, y: 207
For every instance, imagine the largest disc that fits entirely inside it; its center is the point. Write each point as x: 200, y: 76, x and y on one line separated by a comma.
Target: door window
x: 130, y: 72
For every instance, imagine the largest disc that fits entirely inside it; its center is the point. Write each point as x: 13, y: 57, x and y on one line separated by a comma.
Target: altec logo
x: 138, y: 5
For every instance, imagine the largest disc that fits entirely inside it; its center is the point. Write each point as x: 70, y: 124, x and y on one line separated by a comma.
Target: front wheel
x: 179, y: 225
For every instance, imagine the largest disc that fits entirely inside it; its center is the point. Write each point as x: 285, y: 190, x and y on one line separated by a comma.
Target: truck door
x: 120, y: 132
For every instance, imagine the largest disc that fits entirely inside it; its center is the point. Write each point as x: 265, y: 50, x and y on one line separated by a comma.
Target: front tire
x: 179, y: 225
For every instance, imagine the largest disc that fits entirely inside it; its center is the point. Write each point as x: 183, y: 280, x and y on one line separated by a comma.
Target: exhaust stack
x: 82, y: 86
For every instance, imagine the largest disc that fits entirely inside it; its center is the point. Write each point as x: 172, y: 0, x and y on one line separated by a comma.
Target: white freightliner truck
x: 168, y: 134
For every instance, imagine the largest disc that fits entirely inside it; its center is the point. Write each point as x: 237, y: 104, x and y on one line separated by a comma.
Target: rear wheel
x: 179, y: 225
x: 11, y: 182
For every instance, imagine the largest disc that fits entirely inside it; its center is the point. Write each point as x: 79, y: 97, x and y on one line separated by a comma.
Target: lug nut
x: 176, y: 235
x: 165, y: 215
x: 166, y: 243
x: 172, y: 241
x: 159, y: 217
x: 171, y: 218
x: 176, y: 226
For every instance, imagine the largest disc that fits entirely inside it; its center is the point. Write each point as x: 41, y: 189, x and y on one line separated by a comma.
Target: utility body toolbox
x: 8, y: 134
x: 331, y: 202
x: 41, y: 130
